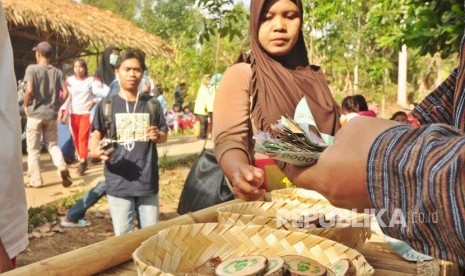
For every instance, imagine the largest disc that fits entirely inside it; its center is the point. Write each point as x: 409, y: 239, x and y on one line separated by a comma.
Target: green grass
x: 48, y: 212
x: 165, y: 163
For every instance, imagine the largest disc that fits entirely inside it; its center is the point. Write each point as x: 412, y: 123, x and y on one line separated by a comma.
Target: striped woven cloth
x: 416, y: 176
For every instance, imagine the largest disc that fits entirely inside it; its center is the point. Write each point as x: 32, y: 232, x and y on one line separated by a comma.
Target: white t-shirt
x: 13, y: 208
x: 82, y: 93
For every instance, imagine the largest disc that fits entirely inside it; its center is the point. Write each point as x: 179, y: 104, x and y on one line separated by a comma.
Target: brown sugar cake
x: 298, y: 265
x: 242, y: 266
x: 207, y: 268
x: 275, y: 266
x: 342, y: 267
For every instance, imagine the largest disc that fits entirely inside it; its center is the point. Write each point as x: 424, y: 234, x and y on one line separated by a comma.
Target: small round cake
x: 275, y: 266
x: 342, y: 267
x: 299, y: 265
x: 242, y: 266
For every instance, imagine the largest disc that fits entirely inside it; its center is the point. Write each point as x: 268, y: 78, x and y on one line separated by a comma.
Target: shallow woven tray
x: 352, y: 230
x: 291, y: 195
x: 183, y: 248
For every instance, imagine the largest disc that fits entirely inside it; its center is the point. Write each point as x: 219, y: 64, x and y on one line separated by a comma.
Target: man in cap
x: 41, y: 103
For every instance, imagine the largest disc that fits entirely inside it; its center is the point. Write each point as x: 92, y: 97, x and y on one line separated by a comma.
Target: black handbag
x: 205, y: 185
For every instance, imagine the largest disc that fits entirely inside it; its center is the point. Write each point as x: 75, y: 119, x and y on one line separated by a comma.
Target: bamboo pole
x: 106, y: 254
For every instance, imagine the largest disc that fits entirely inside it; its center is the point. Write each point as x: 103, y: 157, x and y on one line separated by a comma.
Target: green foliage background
x: 341, y: 35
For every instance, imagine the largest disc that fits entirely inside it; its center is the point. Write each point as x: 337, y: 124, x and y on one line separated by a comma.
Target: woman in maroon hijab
x: 254, y: 96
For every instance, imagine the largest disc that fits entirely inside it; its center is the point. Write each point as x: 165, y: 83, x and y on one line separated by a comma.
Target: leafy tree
x: 205, y: 38
x: 126, y: 8
x: 224, y: 18
x: 351, y: 39
x: 435, y: 26
x: 170, y: 19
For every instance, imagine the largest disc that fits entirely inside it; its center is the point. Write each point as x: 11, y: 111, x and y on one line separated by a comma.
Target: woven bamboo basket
x: 183, y: 248
x: 291, y: 195
x: 346, y: 227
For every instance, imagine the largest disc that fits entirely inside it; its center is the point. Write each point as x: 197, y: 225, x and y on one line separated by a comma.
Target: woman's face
x: 79, y: 70
x: 279, y: 27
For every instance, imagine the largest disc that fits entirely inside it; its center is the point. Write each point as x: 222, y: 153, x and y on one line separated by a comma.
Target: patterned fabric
x: 416, y: 176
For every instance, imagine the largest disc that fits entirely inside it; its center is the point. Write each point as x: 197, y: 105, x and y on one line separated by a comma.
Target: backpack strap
x: 107, y: 110
x: 154, y: 109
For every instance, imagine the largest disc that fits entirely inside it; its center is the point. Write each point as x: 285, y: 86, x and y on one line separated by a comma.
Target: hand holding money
x: 292, y: 143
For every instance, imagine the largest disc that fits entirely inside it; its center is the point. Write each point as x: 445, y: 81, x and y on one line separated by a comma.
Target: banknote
x: 290, y: 143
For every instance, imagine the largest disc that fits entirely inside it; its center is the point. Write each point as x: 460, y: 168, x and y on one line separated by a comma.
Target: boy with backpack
x: 132, y: 123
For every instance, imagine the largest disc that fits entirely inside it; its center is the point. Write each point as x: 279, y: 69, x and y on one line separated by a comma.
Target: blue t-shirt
x: 131, y: 173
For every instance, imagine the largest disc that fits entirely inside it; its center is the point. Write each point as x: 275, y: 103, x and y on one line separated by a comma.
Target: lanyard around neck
x: 126, y: 100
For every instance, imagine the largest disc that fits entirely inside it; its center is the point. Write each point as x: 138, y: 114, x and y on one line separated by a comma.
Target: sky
x: 246, y: 2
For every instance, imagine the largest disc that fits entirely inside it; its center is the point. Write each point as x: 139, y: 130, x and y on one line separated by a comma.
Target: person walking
x: 213, y: 86
x: 200, y: 107
x: 75, y: 216
x: 65, y: 139
x: 106, y: 74
x: 41, y: 104
x: 131, y: 170
x: 83, y: 91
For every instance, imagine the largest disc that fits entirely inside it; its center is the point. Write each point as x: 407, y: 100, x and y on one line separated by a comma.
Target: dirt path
x: 171, y: 182
x: 52, y: 190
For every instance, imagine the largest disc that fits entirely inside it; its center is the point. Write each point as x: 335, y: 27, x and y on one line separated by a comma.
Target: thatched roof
x: 71, y: 27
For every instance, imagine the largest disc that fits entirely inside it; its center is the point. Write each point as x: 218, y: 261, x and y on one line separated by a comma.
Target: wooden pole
x: 106, y: 254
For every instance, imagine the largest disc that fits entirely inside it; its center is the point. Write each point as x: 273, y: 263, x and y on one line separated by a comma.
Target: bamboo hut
x: 72, y: 28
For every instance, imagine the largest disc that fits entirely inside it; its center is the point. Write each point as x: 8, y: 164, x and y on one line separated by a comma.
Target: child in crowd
x: 186, y: 119
x: 362, y: 106
x: 400, y: 117
x: 172, y: 117
x: 349, y: 110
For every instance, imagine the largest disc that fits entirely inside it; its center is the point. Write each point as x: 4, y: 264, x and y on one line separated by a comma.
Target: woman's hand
x: 341, y: 171
x: 246, y: 181
x: 62, y: 116
x: 25, y: 110
x: 90, y: 105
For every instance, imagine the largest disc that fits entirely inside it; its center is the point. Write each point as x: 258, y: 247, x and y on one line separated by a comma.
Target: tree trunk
x: 402, y: 80
x: 357, y: 50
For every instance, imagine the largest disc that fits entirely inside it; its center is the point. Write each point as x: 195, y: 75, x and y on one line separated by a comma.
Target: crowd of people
x: 412, y: 163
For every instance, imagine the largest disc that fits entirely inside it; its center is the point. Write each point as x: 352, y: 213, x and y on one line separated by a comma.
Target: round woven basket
x: 343, y: 226
x: 183, y: 248
x: 291, y: 195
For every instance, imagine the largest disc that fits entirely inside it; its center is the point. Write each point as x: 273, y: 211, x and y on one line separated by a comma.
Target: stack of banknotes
x: 290, y: 142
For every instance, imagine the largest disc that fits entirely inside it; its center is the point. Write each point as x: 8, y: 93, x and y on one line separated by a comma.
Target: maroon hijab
x: 278, y: 86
